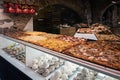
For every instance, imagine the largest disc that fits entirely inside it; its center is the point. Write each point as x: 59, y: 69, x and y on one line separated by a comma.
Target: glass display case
x: 43, y: 64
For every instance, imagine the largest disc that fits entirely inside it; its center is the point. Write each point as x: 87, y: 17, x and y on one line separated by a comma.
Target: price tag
x: 86, y: 36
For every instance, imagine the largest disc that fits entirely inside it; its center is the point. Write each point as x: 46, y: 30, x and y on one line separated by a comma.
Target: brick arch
x: 75, y: 5
x: 106, y: 8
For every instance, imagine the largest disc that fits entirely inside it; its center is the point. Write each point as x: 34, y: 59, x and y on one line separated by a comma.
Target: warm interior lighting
x: 12, y: 10
x: 31, y: 10
x: 18, y: 8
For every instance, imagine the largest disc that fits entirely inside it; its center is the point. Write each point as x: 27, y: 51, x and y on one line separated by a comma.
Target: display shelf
x: 65, y: 72
x: 93, y: 66
x: 53, y: 72
x: 38, y: 57
x: 82, y: 73
x: 19, y: 65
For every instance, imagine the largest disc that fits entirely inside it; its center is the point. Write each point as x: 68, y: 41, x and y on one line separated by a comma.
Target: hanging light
x: 11, y: 10
x: 11, y: 7
x: 25, y: 10
x: 31, y: 10
x: 18, y: 8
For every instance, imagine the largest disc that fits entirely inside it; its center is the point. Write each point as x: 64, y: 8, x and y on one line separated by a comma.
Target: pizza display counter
x: 45, y: 56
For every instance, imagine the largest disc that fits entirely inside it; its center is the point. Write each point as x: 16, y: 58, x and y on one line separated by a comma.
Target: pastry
x: 52, y: 77
x: 40, y: 63
x: 46, y: 73
x: 41, y: 70
x: 64, y: 76
x: 107, y: 37
x: 57, y: 74
x: 35, y: 61
x: 73, y: 40
x: 56, y: 64
x: 55, y: 44
x: 21, y: 57
x: 34, y: 33
x: 51, y: 41
x: 99, y: 29
x: 51, y: 68
x: 44, y: 65
x: 84, y: 30
x: 14, y: 49
x: 32, y: 39
x: 35, y: 66
x: 100, y: 52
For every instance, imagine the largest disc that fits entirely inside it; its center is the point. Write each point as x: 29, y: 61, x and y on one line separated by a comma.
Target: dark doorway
x: 111, y: 18
x: 49, y: 18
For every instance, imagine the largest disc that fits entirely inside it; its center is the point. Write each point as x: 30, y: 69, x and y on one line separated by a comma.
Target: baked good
x: 14, y: 49
x: 21, y: 57
x: 53, y: 41
x: 15, y: 34
x: 54, y: 44
x: 84, y: 30
x: 32, y: 39
x: 60, y: 43
x: 100, y: 29
x: 44, y: 34
x: 100, y: 52
x: 86, y: 74
x: 108, y: 37
x: 49, y: 35
x: 34, y: 33
x: 73, y: 40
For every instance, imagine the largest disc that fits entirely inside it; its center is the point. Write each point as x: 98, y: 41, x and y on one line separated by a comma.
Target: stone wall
x: 76, y: 5
x: 88, y: 10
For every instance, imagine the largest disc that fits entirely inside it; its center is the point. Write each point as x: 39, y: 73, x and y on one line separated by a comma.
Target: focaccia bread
x: 15, y: 34
x: 34, y: 33
x: 32, y: 39
x: 49, y: 35
x: 60, y: 43
x: 73, y: 40
x: 55, y: 44
x: 108, y: 37
x: 101, y: 29
x: 100, y: 52
x: 43, y: 34
x: 52, y: 41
